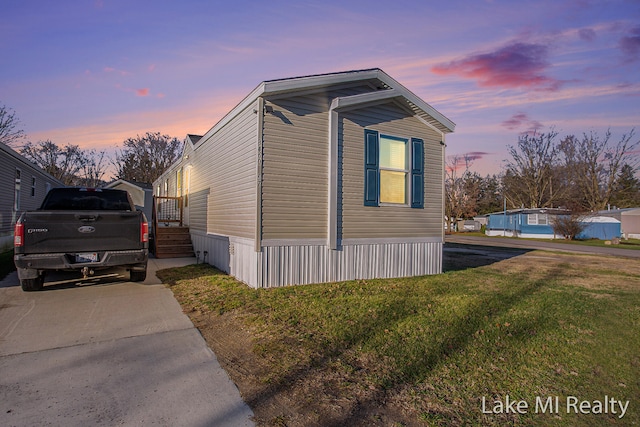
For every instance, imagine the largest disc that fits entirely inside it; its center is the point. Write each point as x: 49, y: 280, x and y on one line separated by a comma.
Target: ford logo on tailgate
x: 86, y: 229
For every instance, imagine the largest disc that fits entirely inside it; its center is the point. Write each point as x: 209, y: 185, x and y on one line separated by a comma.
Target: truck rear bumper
x: 30, y: 266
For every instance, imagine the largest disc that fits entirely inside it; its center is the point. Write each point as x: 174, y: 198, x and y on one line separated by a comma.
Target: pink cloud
x: 512, y: 66
x: 142, y: 92
x: 475, y: 155
x: 519, y: 120
x: 458, y: 162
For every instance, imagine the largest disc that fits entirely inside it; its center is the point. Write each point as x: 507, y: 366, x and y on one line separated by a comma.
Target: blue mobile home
x: 538, y: 223
x: 601, y: 227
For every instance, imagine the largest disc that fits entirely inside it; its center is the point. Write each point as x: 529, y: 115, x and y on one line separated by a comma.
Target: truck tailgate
x: 81, y: 231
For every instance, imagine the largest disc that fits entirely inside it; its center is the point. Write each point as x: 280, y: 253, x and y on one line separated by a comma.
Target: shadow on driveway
x: 460, y: 256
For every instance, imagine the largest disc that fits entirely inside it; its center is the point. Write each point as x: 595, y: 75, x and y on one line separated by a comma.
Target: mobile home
x: 316, y: 179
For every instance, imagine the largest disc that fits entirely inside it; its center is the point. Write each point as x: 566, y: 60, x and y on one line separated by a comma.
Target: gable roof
x: 189, y: 143
x: 377, y: 78
x: 193, y: 139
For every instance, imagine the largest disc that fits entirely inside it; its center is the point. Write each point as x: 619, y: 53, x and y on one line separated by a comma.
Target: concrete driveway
x: 105, y: 351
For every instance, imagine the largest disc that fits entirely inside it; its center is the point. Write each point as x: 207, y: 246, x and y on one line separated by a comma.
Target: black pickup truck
x: 83, y: 229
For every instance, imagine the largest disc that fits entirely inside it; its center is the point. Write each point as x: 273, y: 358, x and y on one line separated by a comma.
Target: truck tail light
x: 144, y: 232
x: 18, y: 235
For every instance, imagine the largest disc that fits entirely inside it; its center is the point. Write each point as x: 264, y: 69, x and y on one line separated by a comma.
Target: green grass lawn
x: 527, y: 327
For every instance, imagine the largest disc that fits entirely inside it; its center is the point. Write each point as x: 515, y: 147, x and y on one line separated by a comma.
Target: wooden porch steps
x: 173, y: 242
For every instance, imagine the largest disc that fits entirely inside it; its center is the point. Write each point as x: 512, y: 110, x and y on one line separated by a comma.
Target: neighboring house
x: 531, y: 223
x: 629, y: 219
x: 317, y: 179
x: 482, y: 219
x: 538, y: 223
x: 141, y: 194
x: 600, y: 227
x: 469, y: 225
x: 23, y: 185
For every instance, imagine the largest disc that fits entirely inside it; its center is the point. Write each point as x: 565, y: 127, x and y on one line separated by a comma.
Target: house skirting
x: 511, y: 233
x: 299, y: 262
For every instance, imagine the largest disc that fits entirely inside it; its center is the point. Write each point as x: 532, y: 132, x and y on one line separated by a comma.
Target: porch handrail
x: 167, y: 210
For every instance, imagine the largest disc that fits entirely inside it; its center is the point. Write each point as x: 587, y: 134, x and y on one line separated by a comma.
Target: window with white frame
x: 394, y: 169
x: 537, y: 219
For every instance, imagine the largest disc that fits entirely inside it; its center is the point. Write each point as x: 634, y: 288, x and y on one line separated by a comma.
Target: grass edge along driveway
x: 452, y: 349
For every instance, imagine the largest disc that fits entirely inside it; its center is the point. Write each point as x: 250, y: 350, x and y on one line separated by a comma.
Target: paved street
x: 105, y: 351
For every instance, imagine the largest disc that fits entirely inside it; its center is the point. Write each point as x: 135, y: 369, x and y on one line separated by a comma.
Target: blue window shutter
x: 417, y: 173
x: 371, y: 193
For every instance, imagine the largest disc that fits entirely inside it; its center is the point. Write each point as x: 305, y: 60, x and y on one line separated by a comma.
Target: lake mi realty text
x: 555, y: 405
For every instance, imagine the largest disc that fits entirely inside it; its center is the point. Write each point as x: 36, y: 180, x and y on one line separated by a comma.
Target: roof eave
x: 277, y: 87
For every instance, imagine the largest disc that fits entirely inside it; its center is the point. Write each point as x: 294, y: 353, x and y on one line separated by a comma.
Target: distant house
x: 23, y: 186
x: 482, y: 219
x: 538, y: 223
x: 141, y: 194
x: 629, y: 219
x: 316, y: 179
x: 601, y: 227
x: 469, y: 225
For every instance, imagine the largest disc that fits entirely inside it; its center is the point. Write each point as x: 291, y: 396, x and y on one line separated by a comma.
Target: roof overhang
x: 386, y: 86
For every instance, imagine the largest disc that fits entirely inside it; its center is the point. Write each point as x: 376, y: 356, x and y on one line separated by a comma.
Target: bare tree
x: 529, y: 176
x: 145, y: 158
x: 69, y: 164
x: 594, y: 165
x: 63, y: 163
x: 10, y: 132
x: 94, y: 168
x: 461, y: 189
x: 568, y: 226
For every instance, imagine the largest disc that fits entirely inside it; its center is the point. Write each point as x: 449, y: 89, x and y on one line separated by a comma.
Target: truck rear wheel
x: 30, y: 285
x: 137, y: 275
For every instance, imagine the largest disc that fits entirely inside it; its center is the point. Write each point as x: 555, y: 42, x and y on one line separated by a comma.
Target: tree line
x: 582, y: 174
x: 141, y: 159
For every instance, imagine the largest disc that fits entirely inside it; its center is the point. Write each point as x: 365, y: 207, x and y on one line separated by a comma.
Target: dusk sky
x: 96, y: 72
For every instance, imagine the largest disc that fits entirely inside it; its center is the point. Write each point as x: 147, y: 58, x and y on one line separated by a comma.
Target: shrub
x: 568, y: 226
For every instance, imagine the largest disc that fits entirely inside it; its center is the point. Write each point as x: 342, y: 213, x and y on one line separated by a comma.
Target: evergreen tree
x: 626, y: 193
